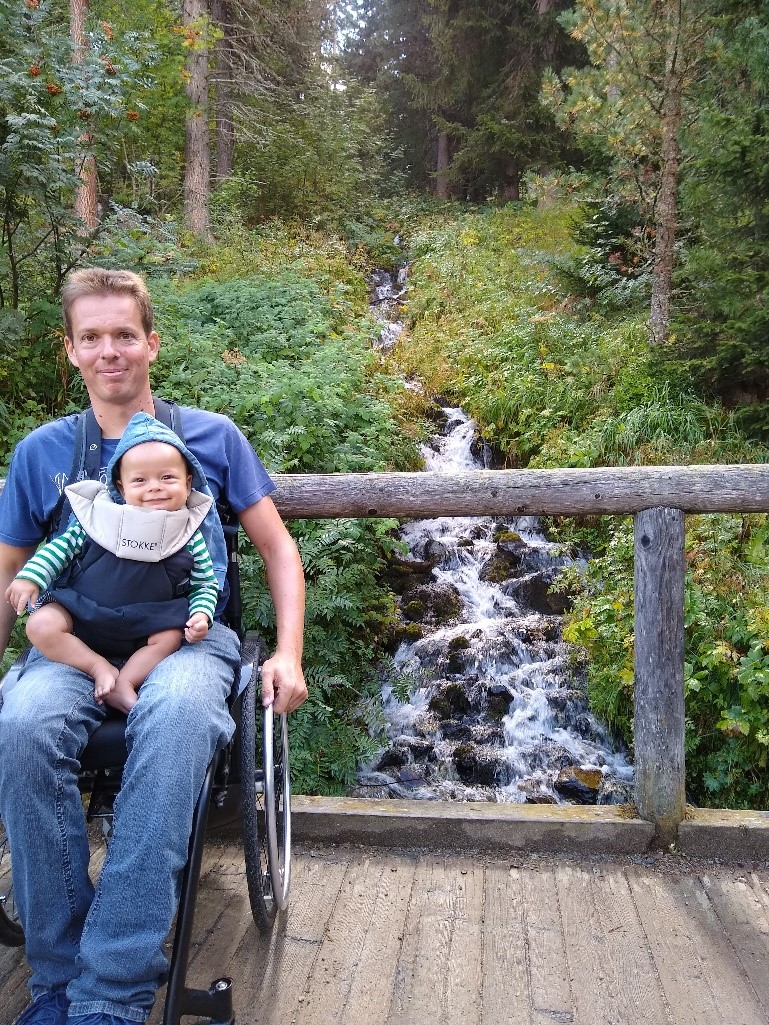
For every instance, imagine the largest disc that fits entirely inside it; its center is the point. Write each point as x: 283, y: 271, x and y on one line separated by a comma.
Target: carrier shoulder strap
x: 86, y: 456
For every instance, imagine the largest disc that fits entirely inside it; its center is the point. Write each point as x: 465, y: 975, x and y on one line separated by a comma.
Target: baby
x: 124, y: 581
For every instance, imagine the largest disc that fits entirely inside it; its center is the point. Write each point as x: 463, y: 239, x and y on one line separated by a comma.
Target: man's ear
x: 70, y: 350
x: 153, y: 343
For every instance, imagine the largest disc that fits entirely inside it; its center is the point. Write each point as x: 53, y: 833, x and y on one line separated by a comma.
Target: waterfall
x: 493, y: 711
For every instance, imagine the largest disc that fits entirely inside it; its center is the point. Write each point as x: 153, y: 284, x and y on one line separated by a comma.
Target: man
x: 96, y: 955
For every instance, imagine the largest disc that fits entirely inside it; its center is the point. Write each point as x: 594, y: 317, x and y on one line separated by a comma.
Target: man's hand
x: 22, y: 593
x: 196, y: 628
x: 283, y: 684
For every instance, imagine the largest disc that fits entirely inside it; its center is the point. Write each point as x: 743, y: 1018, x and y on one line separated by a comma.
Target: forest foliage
x: 566, y: 141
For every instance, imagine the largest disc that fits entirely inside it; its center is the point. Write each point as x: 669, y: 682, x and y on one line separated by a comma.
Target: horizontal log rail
x: 588, y: 492
x: 657, y: 496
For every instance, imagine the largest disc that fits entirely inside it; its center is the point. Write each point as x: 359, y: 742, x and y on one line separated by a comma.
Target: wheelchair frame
x: 265, y: 805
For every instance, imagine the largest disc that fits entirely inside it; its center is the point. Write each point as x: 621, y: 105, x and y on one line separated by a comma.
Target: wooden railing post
x: 659, y: 669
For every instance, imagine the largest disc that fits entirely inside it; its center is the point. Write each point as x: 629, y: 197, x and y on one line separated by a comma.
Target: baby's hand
x: 21, y: 593
x: 196, y: 628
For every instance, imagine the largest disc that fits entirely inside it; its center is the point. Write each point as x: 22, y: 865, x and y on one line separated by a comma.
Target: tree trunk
x: 197, y: 157
x: 221, y: 14
x: 512, y: 189
x: 667, y: 197
x: 87, y: 195
x: 442, y: 166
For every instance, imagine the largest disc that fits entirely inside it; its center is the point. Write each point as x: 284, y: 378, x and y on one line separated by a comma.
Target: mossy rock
x: 450, y: 702
x: 507, y: 535
x: 458, y: 643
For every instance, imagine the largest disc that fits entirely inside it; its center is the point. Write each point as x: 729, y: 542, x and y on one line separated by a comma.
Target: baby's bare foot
x: 104, y: 679
x: 122, y: 696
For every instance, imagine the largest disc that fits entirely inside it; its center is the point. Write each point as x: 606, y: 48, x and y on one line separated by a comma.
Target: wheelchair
x: 250, y: 774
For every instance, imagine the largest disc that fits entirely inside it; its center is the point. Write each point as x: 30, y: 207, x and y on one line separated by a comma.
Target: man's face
x: 110, y: 348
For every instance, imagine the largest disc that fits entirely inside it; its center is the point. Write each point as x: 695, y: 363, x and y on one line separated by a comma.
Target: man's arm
x: 11, y: 561
x: 282, y: 676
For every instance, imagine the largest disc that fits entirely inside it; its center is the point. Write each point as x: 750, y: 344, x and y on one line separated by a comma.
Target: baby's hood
x: 142, y: 428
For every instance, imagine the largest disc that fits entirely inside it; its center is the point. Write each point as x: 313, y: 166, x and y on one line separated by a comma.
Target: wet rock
x: 498, y: 698
x: 433, y: 603
x: 403, y: 633
x: 503, y: 534
x: 564, y: 698
x: 537, y: 629
x: 414, y: 610
x: 456, y: 660
x: 373, y: 784
x: 450, y: 701
x: 489, y: 734
x: 452, y: 729
x: 580, y: 785
x: 534, y: 590
x: 534, y: 793
x: 499, y: 568
x: 393, y: 758
x: 458, y: 643
x: 548, y: 753
x: 473, y: 765
x: 404, y: 574
x: 615, y: 791
x: 435, y: 551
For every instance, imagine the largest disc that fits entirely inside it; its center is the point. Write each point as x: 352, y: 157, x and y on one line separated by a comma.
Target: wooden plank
x: 742, y: 907
x: 371, y: 989
x: 638, y: 993
x: 505, y: 982
x: 272, y: 972
x: 420, y: 984
x: 659, y: 670
x: 549, y: 986
x: 582, y: 491
x: 464, y: 970
x: 735, y: 996
x: 702, y: 983
x: 334, y: 970
x: 594, y: 999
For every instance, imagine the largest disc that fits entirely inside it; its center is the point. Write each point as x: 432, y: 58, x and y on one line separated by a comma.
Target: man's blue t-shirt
x: 42, y: 462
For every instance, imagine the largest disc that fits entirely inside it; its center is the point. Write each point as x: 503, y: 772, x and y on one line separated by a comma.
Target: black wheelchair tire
x: 11, y: 932
x: 260, y: 896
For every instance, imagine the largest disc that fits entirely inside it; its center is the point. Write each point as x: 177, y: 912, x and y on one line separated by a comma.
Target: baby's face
x: 154, y: 476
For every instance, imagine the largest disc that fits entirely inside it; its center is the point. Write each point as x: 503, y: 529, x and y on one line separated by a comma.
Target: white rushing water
x: 494, y: 711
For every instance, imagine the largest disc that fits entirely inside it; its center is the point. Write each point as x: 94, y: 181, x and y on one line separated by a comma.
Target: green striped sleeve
x: 52, y: 559
x: 204, y: 587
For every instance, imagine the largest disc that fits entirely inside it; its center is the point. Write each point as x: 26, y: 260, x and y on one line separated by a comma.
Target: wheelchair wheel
x: 11, y: 932
x: 266, y: 809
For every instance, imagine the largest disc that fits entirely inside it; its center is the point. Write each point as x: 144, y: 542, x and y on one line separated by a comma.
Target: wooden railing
x: 657, y: 496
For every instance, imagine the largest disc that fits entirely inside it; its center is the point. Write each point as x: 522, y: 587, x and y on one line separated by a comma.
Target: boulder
x: 579, y: 785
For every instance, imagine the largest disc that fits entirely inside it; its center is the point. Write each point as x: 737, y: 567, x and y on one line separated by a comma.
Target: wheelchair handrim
x: 278, y: 849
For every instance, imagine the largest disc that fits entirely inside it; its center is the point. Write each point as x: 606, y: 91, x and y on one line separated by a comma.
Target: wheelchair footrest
x: 214, y: 1003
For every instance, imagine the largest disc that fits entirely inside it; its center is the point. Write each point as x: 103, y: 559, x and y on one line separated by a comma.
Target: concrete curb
x: 725, y: 835
x: 556, y: 829
x: 711, y: 833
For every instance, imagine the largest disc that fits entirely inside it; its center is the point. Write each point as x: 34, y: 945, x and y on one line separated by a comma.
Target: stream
x: 481, y: 701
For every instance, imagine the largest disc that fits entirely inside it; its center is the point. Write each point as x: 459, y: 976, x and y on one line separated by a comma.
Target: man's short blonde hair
x: 99, y: 281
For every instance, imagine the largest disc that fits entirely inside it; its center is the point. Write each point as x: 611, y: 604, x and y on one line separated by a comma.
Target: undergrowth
x: 558, y: 373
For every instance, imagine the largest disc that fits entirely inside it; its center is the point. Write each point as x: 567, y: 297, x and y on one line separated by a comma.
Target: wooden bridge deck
x: 386, y: 938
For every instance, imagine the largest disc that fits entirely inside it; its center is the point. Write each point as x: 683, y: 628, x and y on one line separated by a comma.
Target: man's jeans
x: 105, y: 944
